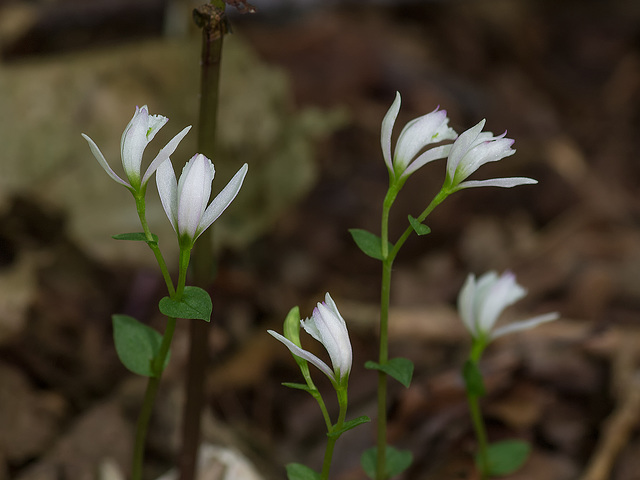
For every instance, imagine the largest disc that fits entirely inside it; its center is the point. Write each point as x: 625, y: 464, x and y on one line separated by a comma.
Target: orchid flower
x: 482, y: 301
x: 472, y: 149
x: 135, y: 138
x: 185, y: 201
x: 328, y: 327
x: 414, y: 137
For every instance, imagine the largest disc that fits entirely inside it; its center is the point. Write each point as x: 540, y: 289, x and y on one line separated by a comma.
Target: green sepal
x: 369, y: 243
x: 137, y: 344
x: 195, y: 304
x: 136, y: 237
x: 297, y: 471
x: 399, y: 368
x: 397, y: 461
x: 473, y: 379
x: 299, y: 386
x: 506, y: 457
x: 419, y: 228
x: 348, y: 426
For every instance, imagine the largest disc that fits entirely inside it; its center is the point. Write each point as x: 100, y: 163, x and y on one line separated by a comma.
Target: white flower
x: 185, y: 201
x: 472, y: 149
x: 328, y: 327
x: 481, y: 302
x: 415, y: 136
x: 135, y: 138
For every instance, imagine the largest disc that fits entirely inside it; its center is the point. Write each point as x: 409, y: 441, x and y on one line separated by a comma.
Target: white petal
x: 524, y: 324
x: 310, y: 357
x: 164, y: 154
x: 134, y: 141
x: 497, y: 182
x: 462, y: 145
x: 222, y: 200
x: 484, y: 152
x: 430, y: 155
x: 103, y: 162
x: 194, y: 189
x: 154, y: 124
x: 466, y: 301
x: 502, y: 293
x: 417, y: 134
x: 168, y: 191
x: 387, y: 129
x: 335, y: 338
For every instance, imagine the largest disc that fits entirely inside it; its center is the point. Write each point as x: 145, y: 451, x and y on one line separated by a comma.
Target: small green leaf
x: 399, y: 368
x: 195, y: 304
x: 419, y: 228
x: 369, y: 243
x: 506, y: 457
x: 136, y: 237
x: 397, y: 461
x: 297, y: 471
x: 136, y: 344
x: 473, y: 379
x: 299, y: 386
x: 349, y: 425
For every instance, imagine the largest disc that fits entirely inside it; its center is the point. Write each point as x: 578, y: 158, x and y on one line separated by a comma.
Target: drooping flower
x: 472, y: 149
x: 135, y: 138
x: 415, y: 136
x: 482, y: 301
x: 185, y: 201
x: 328, y: 327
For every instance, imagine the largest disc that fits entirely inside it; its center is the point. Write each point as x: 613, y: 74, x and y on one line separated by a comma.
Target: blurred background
x: 305, y: 84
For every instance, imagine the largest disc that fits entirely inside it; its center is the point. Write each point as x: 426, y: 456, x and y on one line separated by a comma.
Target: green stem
x: 481, y: 434
x: 331, y: 442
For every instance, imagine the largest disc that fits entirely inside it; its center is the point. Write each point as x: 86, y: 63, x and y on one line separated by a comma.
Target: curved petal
x: 417, y: 134
x: 164, y: 154
x: 504, y: 292
x: 524, y: 324
x: 168, y: 191
x: 497, y: 182
x: 134, y: 141
x: 466, y: 301
x: 335, y: 338
x: 485, y: 152
x: 462, y: 145
x: 194, y: 189
x: 387, y: 129
x: 222, y: 200
x: 308, y: 356
x: 103, y: 162
x: 430, y: 155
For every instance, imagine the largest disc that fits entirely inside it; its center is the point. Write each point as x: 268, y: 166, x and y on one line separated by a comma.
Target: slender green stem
x: 331, y: 441
x: 142, y: 427
x: 481, y: 434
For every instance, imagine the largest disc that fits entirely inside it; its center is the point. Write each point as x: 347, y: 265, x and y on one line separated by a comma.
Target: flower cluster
x: 184, y: 201
x: 469, y: 151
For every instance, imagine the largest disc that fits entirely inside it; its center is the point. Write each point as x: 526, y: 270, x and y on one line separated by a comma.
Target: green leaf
x: 419, y: 228
x: 506, y: 457
x: 399, y: 368
x: 136, y: 237
x: 397, y: 461
x: 136, y: 344
x: 299, y: 386
x: 369, y: 243
x: 297, y: 471
x: 473, y: 379
x: 195, y: 304
x: 348, y: 426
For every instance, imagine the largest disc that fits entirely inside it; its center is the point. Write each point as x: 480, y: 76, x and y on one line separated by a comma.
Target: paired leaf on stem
x: 506, y: 457
x: 369, y: 243
x: 297, y: 471
x: 195, y: 304
x: 136, y: 237
x: 137, y: 344
x: 419, y: 228
x: 399, y: 368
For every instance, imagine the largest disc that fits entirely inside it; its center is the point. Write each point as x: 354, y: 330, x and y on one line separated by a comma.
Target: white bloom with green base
x: 415, y: 136
x: 185, y: 201
x: 135, y: 138
x: 328, y: 327
x: 482, y: 301
x: 472, y: 149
